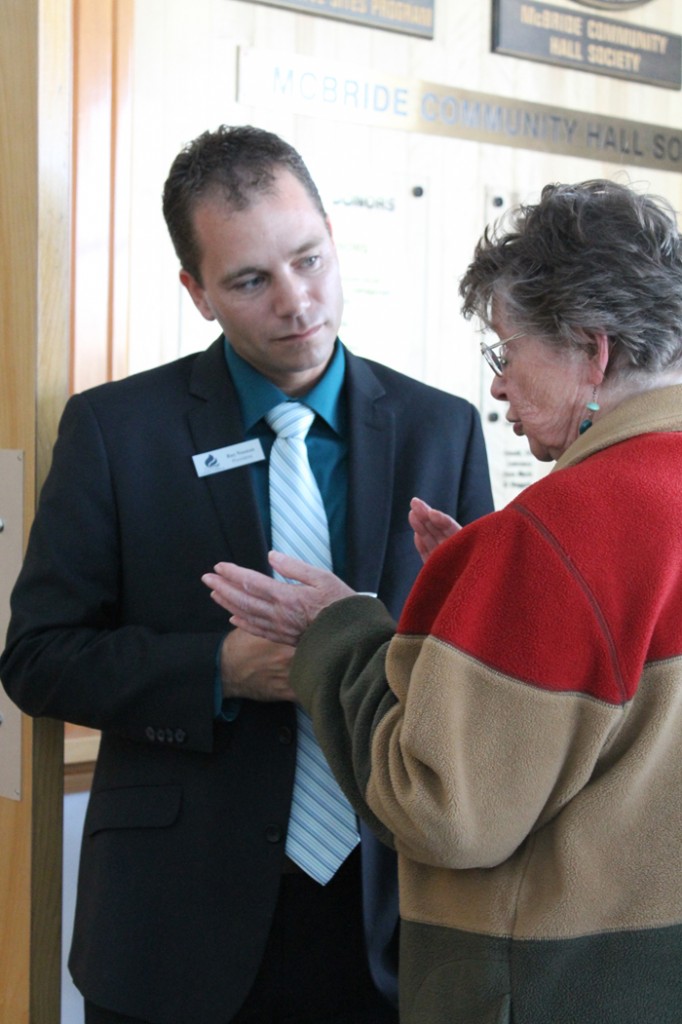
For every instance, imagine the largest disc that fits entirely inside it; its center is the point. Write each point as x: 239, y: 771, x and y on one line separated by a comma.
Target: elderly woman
x: 518, y: 735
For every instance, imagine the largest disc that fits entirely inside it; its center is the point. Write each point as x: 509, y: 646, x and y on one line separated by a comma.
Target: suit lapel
x: 215, y: 422
x: 371, y: 462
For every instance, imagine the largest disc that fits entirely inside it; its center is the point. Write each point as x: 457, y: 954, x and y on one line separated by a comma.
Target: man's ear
x: 198, y: 295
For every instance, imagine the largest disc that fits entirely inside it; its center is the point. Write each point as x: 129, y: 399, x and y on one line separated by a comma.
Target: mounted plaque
x: 586, y: 42
x: 414, y: 17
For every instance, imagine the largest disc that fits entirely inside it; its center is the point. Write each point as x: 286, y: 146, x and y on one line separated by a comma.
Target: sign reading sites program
x: 586, y: 42
x: 414, y: 17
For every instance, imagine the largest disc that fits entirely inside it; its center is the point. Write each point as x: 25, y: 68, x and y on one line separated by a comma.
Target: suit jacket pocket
x: 133, y: 807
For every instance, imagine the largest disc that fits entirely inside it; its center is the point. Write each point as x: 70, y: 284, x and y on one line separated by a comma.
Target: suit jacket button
x: 285, y: 734
x: 161, y: 735
x: 273, y: 833
x: 150, y: 732
x: 180, y: 735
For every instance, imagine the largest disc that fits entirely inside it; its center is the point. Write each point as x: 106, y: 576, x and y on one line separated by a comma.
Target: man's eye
x: 248, y: 283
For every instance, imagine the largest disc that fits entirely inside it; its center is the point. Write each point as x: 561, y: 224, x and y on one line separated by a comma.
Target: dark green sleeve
x: 339, y: 676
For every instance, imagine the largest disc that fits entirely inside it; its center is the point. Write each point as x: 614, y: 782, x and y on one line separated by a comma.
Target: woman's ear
x: 600, y: 352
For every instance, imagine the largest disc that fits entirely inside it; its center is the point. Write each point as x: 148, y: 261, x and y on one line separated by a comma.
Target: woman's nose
x: 498, y: 388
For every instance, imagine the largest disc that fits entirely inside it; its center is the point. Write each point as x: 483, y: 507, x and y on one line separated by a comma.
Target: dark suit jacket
x: 112, y: 628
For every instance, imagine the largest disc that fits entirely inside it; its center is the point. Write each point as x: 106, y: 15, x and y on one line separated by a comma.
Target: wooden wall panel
x: 92, y: 183
x: 34, y: 328
x: 121, y: 113
x: 18, y: 325
x: 102, y: 162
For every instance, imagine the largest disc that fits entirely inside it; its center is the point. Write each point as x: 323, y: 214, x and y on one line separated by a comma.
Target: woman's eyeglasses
x: 497, y: 363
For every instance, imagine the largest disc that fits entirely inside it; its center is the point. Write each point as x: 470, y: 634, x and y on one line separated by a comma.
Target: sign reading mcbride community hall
x: 575, y: 39
x: 305, y: 85
x: 415, y: 17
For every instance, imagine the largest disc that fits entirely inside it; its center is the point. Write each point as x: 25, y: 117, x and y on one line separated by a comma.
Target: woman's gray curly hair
x: 591, y: 258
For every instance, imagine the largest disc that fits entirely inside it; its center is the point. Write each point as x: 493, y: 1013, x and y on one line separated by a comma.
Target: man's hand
x: 269, y: 608
x: 430, y: 526
x: 254, y: 668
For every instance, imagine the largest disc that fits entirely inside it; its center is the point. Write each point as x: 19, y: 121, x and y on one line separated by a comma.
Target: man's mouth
x: 304, y: 335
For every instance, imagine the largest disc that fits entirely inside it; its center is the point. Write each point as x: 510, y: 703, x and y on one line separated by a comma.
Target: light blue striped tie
x: 322, y: 827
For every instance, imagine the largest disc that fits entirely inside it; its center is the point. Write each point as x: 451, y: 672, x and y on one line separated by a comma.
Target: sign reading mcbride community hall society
x: 585, y: 42
x: 305, y: 85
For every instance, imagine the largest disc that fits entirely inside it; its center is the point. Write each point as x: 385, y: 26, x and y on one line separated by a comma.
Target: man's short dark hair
x: 235, y: 163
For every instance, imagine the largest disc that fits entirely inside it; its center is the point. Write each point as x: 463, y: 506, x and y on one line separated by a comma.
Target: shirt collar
x: 257, y: 395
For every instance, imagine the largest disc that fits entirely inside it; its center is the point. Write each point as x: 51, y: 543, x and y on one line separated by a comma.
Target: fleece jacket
x: 518, y: 738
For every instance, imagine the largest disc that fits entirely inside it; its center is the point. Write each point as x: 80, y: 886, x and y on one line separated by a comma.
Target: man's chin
x: 306, y: 354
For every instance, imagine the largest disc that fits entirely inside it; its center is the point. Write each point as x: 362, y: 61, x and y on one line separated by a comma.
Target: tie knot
x: 290, y: 419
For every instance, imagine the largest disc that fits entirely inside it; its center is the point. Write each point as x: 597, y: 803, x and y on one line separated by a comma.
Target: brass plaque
x: 586, y: 42
x: 415, y: 17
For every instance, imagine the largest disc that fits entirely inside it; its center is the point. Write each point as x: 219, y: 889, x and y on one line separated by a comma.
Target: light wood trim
x: 54, y: 278
x: 81, y: 751
x: 53, y: 358
x: 92, y: 183
x: 78, y: 777
x: 102, y: 155
x: 122, y: 158
x: 18, y: 325
x: 34, y: 246
x: 80, y: 745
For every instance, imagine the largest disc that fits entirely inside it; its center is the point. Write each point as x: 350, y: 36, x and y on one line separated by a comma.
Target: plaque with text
x: 414, y: 17
x: 587, y: 42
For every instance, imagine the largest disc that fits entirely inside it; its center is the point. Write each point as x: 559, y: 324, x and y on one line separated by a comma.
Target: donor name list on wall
x: 415, y: 17
x: 586, y: 42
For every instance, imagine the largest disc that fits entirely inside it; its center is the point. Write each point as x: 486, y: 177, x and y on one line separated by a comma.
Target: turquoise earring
x: 592, y: 407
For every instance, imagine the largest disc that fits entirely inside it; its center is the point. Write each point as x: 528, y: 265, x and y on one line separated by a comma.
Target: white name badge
x: 230, y: 457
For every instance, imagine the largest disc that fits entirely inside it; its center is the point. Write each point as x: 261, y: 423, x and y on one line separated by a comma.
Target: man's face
x: 270, y: 277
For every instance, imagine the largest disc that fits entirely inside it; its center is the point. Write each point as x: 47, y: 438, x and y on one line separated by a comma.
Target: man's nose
x: 291, y: 296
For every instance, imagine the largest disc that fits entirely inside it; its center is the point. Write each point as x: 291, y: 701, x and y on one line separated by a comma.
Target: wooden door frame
x: 51, y: 66
x: 35, y: 70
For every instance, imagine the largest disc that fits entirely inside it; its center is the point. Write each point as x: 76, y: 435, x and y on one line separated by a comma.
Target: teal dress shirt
x: 327, y: 444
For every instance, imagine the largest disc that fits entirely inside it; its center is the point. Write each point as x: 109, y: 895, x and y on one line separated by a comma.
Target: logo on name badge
x: 221, y: 459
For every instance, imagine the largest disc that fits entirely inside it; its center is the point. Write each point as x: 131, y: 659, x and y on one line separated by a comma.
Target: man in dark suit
x: 189, y: 909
